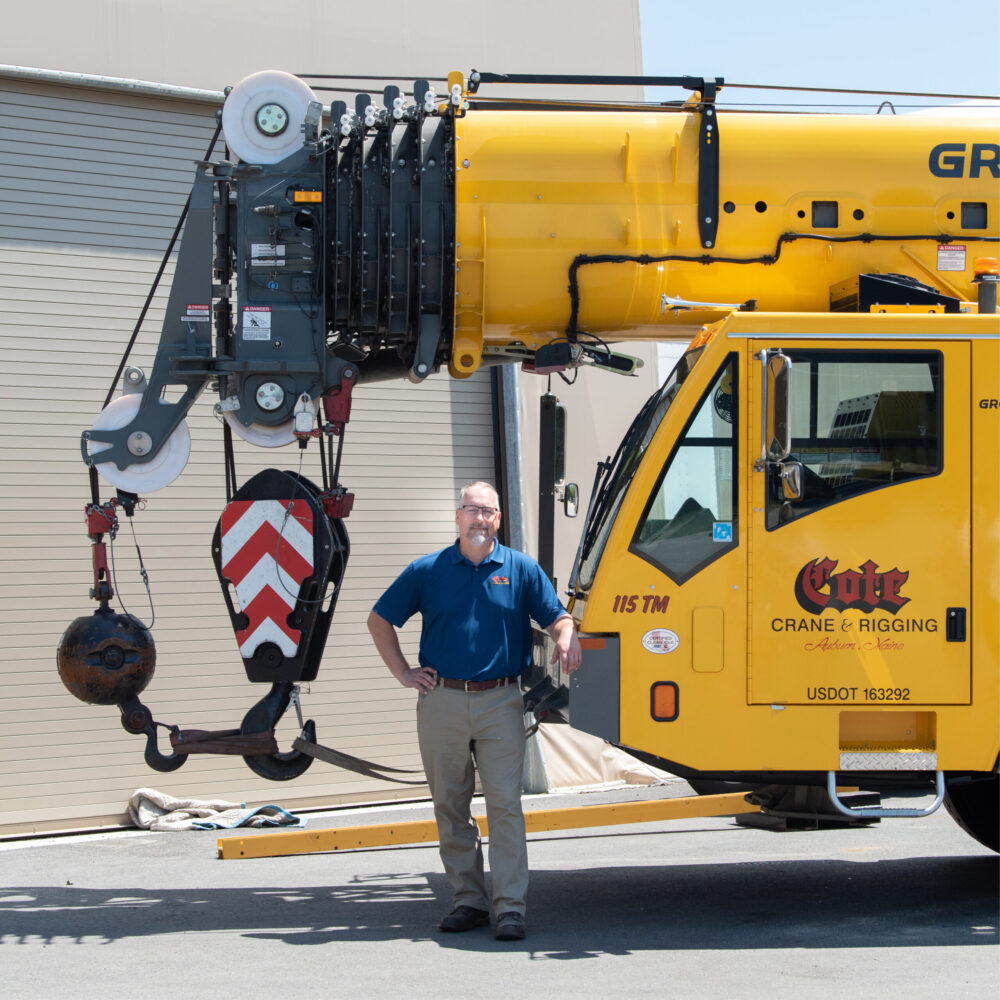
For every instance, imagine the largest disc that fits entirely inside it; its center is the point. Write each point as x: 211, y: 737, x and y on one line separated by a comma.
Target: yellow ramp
x: 350, y: 838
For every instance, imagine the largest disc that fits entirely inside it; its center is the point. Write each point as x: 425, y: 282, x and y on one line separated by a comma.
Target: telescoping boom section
x: 449, y: 232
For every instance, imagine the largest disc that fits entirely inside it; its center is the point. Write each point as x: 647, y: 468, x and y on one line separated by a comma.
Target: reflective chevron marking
x: 242, y: 519
x: 267, y: 553
x: 267, y: 624
x: 254, y: 567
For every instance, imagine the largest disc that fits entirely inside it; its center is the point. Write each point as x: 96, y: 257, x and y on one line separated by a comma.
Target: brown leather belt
x: 455, y: 682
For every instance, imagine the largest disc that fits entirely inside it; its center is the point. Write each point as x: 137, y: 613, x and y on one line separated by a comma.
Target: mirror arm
x: 761, y: 462
x: 770, y: 423
x: 787, y: 443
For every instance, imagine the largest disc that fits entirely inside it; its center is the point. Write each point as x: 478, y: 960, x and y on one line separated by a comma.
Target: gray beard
x: 477, y: 536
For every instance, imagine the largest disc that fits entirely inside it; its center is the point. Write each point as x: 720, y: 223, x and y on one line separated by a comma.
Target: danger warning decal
x: 256, y: 322
x: 951, y: 257
x: 197, y: 313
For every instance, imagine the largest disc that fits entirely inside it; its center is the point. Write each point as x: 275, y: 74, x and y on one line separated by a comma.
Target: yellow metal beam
x: 349, y: 838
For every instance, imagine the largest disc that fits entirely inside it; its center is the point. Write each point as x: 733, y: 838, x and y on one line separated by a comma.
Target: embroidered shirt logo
x: 503, y: 580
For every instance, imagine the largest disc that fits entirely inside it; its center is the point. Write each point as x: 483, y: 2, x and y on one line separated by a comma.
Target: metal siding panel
x: 80, y: 240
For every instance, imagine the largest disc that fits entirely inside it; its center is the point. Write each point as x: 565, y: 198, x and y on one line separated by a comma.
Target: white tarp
x: 562, y: 758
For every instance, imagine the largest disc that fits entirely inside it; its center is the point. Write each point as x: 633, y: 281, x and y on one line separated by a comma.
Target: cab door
x: 860, y: 584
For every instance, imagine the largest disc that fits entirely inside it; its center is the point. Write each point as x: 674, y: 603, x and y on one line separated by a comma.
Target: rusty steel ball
x: 106, y: 658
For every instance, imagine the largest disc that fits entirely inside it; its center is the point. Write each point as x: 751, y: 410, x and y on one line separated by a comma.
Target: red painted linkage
x: 101, y: 518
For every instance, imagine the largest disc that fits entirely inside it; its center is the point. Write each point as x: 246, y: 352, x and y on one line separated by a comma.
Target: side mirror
x: 571, y: 499
x: 778, y: 422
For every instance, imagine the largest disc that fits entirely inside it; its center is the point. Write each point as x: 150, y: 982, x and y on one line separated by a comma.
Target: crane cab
x: 791, y: 566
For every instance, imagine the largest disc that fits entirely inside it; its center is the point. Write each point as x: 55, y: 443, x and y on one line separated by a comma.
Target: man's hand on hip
x: 424, y: 679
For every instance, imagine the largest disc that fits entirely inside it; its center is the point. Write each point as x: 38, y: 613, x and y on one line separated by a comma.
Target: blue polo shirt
x: 476, y: 619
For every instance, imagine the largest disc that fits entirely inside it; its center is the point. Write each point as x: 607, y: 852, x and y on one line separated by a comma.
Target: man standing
x: 476, y: 599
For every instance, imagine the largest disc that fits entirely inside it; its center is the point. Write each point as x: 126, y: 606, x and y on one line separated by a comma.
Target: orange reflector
x: 706, y: 334
x: 663, y: 701
x: 594, y: 643
x: 301, y: 196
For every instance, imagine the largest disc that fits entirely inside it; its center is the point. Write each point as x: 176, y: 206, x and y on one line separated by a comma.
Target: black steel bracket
x: 542, y: 699
x: 692, y: 83
x: 708, y: 166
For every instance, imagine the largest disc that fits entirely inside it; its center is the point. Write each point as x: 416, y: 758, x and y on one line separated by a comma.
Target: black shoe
x: 510, y: 926
x: 464, y: 918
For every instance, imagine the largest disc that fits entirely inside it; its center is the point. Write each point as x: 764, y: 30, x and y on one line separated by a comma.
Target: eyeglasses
x: 472, y: 509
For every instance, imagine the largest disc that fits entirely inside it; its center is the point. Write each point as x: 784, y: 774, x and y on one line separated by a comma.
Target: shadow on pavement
x: 916, y: 902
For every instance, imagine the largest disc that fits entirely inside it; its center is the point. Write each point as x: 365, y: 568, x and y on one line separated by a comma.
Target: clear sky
x: 937, y: 46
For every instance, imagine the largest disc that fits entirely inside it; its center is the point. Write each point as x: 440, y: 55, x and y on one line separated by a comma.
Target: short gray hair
x: 478, y: 482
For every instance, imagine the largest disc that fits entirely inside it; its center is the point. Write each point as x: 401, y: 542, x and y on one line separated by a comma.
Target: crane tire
x: 975, y: 807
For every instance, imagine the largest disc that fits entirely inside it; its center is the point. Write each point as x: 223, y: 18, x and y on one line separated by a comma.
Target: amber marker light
x: 307, y: 196
x: 986, y: 265
x: 664, y: 701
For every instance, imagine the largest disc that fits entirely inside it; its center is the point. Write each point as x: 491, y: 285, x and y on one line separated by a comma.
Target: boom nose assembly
x: 310, y: 261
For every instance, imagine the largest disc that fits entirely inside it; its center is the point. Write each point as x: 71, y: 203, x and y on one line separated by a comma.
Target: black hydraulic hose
x: 582, y: 260
x: 95, y: 487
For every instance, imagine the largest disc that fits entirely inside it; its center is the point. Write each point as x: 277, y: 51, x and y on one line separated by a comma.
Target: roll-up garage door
x: 91, y: 185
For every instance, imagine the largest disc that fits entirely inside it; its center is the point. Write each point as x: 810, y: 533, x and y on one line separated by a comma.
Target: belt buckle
x: 465, y: 686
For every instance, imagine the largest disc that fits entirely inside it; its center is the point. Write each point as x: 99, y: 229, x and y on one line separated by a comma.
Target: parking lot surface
x: 688, y: 908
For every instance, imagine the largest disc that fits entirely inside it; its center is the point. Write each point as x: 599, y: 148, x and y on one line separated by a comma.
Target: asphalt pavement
x: 687, y: 909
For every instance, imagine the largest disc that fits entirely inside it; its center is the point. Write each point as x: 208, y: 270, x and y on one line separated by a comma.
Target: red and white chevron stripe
x: 267, y: 553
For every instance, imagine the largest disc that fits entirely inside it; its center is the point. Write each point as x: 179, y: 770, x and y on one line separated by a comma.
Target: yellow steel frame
x: 352, y: 838
x: 535, y: 190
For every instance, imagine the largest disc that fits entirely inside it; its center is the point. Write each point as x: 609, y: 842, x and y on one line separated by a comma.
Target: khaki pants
x: 453, y: 727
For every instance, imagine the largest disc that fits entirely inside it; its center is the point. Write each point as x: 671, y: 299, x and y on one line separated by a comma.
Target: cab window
x: 615, y: 477
x: 858, y: 424
x: 691, y: 518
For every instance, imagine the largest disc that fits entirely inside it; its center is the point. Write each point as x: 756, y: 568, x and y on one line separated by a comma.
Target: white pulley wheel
x: 144, y: 477
x: 264, y: 436
x: 263, y: 116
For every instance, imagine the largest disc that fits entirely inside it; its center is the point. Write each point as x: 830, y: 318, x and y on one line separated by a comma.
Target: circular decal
x: 660, y: 640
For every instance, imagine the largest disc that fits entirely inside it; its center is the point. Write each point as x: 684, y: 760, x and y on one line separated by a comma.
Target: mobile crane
x: 789, y: 573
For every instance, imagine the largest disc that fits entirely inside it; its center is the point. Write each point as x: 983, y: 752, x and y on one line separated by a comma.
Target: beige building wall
x: 92, y: 177
x: 209, y: 44
x: 599, y: 406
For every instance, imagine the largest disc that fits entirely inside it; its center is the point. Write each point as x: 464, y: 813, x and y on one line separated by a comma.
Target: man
x: 475, y: 598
